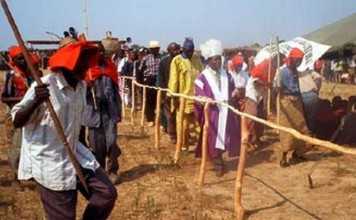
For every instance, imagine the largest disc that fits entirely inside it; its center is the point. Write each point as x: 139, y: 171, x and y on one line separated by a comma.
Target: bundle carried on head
x: 111, y: 44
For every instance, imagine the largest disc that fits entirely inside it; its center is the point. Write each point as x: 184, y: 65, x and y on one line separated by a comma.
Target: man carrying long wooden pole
x: 51, y: 114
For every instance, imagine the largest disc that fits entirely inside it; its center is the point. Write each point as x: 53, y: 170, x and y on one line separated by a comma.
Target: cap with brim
x: 153, y: 44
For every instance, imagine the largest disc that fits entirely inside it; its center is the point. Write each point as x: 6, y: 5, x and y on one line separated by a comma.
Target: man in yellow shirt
x: 184, y: 70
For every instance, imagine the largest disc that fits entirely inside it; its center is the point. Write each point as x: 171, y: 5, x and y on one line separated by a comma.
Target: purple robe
x: 232, y: 133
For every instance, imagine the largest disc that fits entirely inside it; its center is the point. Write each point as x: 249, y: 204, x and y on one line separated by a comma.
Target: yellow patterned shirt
x: 182, y: 75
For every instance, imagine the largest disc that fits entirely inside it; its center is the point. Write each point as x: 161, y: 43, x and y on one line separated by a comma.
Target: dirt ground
x: 154, y: 188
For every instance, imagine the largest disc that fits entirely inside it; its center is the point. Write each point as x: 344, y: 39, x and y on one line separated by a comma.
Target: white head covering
x: 211, y: 48
x: 153, y: 44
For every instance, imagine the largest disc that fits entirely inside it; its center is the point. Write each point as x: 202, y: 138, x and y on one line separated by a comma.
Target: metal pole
x: 86, y: 18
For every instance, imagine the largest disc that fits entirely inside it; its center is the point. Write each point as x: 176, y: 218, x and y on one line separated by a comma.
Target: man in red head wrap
x: 17, y: 82
x: 103, y: 96
x: 239, y: 75
x: 255, y: 87
x: 19, y: 79
x: 291, y: 110
x: 43, y: 156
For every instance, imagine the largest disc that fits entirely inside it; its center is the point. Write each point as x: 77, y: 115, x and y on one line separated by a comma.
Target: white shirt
x: 43, y: 156
x: 252, y: 91
x: 121, y: 64
x: 240, y: 79
x: 309, y: 81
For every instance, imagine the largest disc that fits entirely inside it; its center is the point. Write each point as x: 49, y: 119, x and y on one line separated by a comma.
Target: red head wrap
x: 109, y: 70
x: 261, y: 71
x: 67, y: 56
x: 15, y: 51
x: 237, y: 60
x: 296, y: 53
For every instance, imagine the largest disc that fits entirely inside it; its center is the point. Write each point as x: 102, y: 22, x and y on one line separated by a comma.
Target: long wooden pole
x: 133, y: 102
x: 180, y: 129
x: 157, y: 122
x: 240, y: 211
x: 204, y: 157
x: 278, y: 84
x: 51, y: 110
x: 269, y: 91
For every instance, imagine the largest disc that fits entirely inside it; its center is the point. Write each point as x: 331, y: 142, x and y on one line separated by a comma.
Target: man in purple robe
x: 224, y: 125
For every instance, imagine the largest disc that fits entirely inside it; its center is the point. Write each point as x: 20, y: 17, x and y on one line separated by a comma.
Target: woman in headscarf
x: 224, y: 126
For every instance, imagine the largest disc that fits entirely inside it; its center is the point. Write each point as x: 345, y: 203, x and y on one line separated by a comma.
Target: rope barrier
x: 295, y: 133
x: 239, y: 209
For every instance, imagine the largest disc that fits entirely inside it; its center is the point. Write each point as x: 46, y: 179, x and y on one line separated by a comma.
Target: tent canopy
x: 337, y: 34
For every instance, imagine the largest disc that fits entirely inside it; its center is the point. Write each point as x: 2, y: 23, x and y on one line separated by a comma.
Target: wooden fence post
x: 278, y: 84
x: 158, y: 117
x: 143, y: 108
x: 205, y: 145
x: 123, y: 97
x: 133, y: 102
x: 240, y: 211
x: 269, y: 91
x: 179, y: 129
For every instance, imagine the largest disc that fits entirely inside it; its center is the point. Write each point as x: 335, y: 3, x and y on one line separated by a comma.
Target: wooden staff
x: 180, y: 129
x: 49, y: 105
x: 278, y: 84
x: 269, y: 91
x: 240, y: 211
x: 157, y: 122
x: 205, y: 145
x: 123, y: 97
x: 133, y: 102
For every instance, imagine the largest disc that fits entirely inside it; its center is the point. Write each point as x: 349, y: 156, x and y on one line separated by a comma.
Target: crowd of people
x: 84, y: 86
x: 339, y: 70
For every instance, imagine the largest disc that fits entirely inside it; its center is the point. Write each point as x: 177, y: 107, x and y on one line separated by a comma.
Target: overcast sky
x: 234, y: 22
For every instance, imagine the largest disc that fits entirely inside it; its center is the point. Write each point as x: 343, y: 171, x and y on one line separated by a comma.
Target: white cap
x: 211, y: 48
x: 153, y: 44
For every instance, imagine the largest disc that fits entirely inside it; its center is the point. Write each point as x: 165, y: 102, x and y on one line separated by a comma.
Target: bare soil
x: 154, y: 187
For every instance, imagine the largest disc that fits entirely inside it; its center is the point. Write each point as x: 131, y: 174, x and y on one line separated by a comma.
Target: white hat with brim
x: 153, y: 44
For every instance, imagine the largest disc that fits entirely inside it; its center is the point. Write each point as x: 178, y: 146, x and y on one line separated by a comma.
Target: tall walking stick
x: 158, y: 116
x: 53, y: 114
x: 205, y: 145
x: 240, y: 211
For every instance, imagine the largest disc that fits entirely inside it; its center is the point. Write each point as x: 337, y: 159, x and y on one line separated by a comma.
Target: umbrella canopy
x: 337, y: 34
